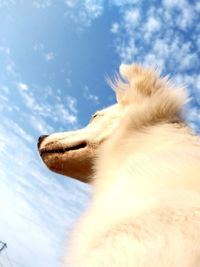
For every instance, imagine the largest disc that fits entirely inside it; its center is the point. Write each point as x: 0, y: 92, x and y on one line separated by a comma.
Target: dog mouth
x: 62, y: 150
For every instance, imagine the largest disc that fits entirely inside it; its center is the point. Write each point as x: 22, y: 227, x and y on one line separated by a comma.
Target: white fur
x: 145, y: 210
x: 146, y: 205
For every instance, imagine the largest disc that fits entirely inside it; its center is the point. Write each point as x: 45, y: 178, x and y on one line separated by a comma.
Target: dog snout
x: 40, y: 139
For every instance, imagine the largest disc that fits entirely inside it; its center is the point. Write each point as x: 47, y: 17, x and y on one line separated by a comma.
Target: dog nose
x: 40, y: 139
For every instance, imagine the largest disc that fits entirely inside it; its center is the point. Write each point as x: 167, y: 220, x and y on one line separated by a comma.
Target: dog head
x: 140, y: 91
x: 73, y: 153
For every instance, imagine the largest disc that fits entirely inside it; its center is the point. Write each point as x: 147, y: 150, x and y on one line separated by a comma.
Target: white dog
x: 144, y: 163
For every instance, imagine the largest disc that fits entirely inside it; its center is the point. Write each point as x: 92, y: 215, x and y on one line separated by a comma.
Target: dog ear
x: 144, y: 80
x: 123, y: 85
x: 119, y: 86
x: 135, y: 82
x: 121, y: 97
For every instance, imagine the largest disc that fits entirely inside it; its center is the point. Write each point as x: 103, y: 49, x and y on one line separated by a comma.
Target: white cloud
x: 4, y: 89
x: 150, y: 36
x: 174, y: 3
x: 63, y: 111
x: 153, y: 61
x: 29, y: 98
x: 22, y: 86
x: 89, y: 96
x: 49, y: 56
x: 62, y: 114
x: 152, y: 25
x: 5, y: 50
x: 94, y: 7
x: 127, y: 50
x: 37, y: 207
x: 71, y: 104
x: 186, y: 18
x: 19, y: 131
x: 41, y: 3
x: 24, y: 180
x: 165, y: 36
x: 122, y: 3
x: 115, y: 27
x: 39, y: 124
x: 38, y: 47
x: 45, y: 205
x: 173, y: 51
x: 27, y: 220
x: 10, y: 68
x: 7, y: 2
x: 131, y: 18
x: 188, y: 60
x: 68, y: 82
x: 71, y: 3
x: 84, y: 12
x: 197, y: 6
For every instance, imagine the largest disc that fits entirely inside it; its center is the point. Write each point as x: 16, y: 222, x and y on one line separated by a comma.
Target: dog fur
x: 144, y: 164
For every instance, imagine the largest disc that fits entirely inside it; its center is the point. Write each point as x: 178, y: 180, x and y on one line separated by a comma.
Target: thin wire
x: 9, y: 259
x: 19, y: 264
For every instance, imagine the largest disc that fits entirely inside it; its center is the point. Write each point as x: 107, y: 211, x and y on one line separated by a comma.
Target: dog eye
x: 94, y: 116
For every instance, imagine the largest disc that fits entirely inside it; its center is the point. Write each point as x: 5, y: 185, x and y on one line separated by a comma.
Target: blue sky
x: 54, y: 56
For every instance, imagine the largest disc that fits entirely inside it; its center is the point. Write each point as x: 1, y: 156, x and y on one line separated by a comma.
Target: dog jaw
x: 65, y: 155
x: 76, y: 164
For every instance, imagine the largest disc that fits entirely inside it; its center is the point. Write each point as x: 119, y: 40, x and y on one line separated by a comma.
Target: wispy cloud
x: 41, y: 3
x: 28, y: 188
x: 5, y: 50
x: 35, y: 100
x: 89, y: 96
x: 165, y: 36
x: 35, y: 214
x: 63, y: 111
x: 22, y: 86
x: 72, y: 104
x: 122, y: 3
x: 42, y: 50
x: 115, y: 27
x: 49, y: 56
x: 162, y: 25
x: 4, y: 3
x: 132, y: 18
x: 38, y: 47
x: 38, y: 207
x: 84, y: 12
